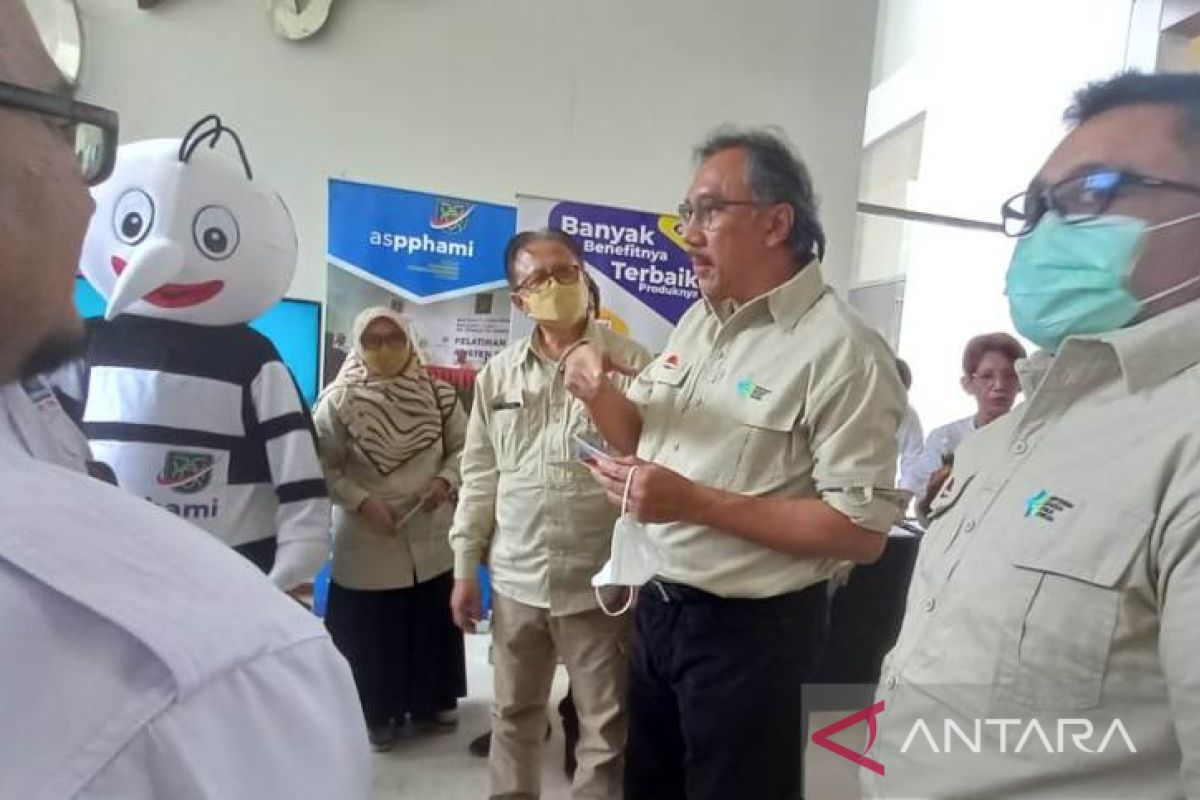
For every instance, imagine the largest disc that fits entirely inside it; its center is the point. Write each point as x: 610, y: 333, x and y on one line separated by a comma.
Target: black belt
x: 671, y: 592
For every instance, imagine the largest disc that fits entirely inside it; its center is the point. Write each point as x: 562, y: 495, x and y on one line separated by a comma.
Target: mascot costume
x: 194, y: 410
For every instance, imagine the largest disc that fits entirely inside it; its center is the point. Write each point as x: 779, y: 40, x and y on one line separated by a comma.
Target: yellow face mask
x: 562, y: 303
x: 387, y: 360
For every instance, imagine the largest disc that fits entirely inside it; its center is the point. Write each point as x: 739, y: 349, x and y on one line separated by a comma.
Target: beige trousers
x: 526, y: 645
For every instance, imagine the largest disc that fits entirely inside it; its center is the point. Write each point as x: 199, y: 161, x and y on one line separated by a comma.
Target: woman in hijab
x: 390, y: 442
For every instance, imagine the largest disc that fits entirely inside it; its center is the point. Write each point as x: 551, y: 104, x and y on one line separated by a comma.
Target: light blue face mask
x: 1068, y: 279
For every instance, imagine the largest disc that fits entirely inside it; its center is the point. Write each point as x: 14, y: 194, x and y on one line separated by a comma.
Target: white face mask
x: 634, y: 559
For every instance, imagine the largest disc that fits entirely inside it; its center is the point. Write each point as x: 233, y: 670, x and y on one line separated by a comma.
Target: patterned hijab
x: 391, y: 419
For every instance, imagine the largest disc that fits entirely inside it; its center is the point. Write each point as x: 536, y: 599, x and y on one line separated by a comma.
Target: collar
x: 1147, y: 354
x: 786, y: 303
x: 526, y: 349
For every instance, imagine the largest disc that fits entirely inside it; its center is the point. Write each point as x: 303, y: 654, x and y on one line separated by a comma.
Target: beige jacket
x: 529, y: 508
x: 418, y: 551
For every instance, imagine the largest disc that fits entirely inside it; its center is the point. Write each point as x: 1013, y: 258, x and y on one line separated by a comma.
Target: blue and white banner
x: 424, y: 247
x: 638, y: 259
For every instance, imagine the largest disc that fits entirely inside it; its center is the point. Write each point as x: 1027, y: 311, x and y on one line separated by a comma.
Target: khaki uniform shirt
x: 790, y: 395
x: 528, y: 506
x: 1061, y: 579
x: 418, y: 552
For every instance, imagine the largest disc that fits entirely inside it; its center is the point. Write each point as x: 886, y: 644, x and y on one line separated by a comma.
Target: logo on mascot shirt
x: 186, y: 473
x: 450, y: 215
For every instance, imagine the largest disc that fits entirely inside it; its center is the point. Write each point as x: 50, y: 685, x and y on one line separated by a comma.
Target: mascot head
x: 184, y: 232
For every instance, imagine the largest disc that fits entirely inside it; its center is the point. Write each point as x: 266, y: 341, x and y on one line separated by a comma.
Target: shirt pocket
x: 510, y: 417
x: 768, y: 453
x: 1060, y: 628
x: 664, y: 386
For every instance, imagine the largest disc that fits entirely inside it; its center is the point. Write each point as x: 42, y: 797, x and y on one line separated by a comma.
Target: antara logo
x: 821, y: 737
x: 1000, y: 736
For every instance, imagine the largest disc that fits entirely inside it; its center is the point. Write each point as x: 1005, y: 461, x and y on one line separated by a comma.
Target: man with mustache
x: 760, y: 455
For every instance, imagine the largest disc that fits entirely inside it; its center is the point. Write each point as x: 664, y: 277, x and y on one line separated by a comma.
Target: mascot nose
x: 154, y: 264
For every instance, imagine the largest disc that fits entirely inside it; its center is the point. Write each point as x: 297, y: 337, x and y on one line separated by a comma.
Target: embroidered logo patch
x: 750, y: 389
x: 1045, y: 505
x: 186, y: 473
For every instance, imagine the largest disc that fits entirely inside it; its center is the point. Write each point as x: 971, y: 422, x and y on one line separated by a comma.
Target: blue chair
x: 485, y: 591
x: 321, y: 589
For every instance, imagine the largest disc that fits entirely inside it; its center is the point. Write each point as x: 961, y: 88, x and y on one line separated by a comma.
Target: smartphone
x: 588, y: 451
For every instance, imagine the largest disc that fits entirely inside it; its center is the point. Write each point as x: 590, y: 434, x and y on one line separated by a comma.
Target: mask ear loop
x: 633, y: 592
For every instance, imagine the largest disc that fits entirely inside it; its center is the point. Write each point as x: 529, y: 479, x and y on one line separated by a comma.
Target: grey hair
x: 775, y: 174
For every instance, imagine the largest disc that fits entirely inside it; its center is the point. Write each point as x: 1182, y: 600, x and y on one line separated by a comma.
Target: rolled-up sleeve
x: 853, y: 427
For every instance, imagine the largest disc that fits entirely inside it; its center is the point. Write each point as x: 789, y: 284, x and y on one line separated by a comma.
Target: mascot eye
x: 133, y: 217
x: 216, y: 232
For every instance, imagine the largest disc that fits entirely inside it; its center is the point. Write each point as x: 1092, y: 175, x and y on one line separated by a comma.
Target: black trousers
x: 715, y: 693
x: 403, y: 647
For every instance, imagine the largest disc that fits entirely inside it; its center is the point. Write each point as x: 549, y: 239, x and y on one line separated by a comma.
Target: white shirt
x: 31, y: 414
x: 911, y: 440
x: 140, y: 658
x: 942, y: 442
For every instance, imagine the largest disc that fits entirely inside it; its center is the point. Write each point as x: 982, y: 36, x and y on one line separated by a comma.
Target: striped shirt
x: 206, y: 422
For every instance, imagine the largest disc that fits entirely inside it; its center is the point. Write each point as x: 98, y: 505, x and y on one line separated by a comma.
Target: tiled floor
x: 440, y: 768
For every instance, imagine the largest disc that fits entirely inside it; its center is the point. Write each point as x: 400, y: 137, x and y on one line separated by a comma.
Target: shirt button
x: 890, y: 683
x: 928, y: 604
x: 1020, y: 447
x: 970, y: 526
x: 675, y: 447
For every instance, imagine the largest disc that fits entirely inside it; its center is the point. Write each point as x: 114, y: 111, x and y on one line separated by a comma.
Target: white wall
x: 991, y: 81
x: 596, y: 101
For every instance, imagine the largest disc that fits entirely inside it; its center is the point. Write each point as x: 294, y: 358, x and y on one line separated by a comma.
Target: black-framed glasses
x: 703, y: 209
x: 91, y: 130
x: 1079, y: 199
x: 566, y: 274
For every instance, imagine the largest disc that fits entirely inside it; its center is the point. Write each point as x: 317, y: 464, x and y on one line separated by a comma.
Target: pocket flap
x: 773, y: 412
x: 670, y: 373
x: 1084, y: 537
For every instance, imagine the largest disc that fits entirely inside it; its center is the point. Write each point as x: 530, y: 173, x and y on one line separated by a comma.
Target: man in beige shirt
x: 529, y: 508
x: 766, y: 453
x: 1054, y: 614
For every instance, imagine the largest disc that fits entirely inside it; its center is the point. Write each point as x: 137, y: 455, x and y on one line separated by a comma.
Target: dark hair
x: 1179, y: 89
x: 775, y: 174
x: 593, y: 295
x: 980, y: 346
x: 525, y: 238
x: 905, y: 373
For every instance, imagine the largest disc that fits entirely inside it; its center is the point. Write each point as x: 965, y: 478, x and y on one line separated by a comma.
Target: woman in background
x: 990, y: 377
x: 390, y: 442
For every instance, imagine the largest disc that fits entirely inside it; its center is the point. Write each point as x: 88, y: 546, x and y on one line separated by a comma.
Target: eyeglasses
x: 1006, y: 378
x: 566, y: 274
x: 91, y: 130
x: 1079, y: 199
x: 703, y: 209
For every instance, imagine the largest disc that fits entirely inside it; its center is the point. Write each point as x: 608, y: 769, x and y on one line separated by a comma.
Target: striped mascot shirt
x: 206, y: 422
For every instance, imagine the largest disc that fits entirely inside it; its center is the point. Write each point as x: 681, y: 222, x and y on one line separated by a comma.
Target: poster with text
x: 438, y: 260
x: 637, y: 258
